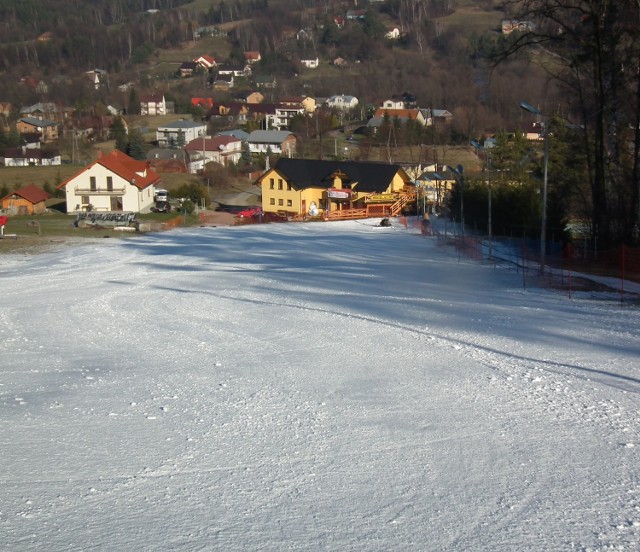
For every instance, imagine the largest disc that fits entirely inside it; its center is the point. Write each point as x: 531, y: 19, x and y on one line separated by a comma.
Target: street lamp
x: 543, y: 229
x: 489, y: 224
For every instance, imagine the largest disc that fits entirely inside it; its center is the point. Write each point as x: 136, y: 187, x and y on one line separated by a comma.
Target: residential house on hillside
x: 48, y: 130
x: 234, y: 70
x: 236, y: 133
x: 310, y: 63
x: 205, y: 62
x: 223, y: 83
x: 284, y: 113
x: 249, y: 96
x: 164, y: 160
x: 392, y: 33
x: 187, y: 69
x: 31, y: 157
x: 436, y: 116
x: 341, y: 102
x: 300, y: 187
x: 92, y: 127
x: 179, y: 133
x: 29, y: 200
x: 402, y: 114
x: 204, y: 103
x: 436, y: 182
x: 237, y: 112
x: 400, y: 101
x: 46, y: 110
x: 114, y: 182
x: 252, y: 57
x: 219, y: 149
x: 153, y: 104
x: 274, y: 141
x: 306, y: 102
x: 265, y: 81
x: 97, y: 78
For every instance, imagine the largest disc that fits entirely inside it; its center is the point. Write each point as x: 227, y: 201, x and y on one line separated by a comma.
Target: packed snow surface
x: 321, y: 386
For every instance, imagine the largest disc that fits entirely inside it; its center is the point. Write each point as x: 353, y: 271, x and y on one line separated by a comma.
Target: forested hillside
x: 439, y: 55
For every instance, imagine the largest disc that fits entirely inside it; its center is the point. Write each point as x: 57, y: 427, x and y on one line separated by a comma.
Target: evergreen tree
x: 134, y: 103
x: 119, y: 134
x: 137, y: 146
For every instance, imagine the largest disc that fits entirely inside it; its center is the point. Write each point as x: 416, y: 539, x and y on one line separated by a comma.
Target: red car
x: 249, y: 212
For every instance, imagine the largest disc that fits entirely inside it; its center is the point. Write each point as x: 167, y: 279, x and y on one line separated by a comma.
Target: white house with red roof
x: 205, y: 61
x: 219, y: 149
x: 252, y: 56
x: 113, y: 182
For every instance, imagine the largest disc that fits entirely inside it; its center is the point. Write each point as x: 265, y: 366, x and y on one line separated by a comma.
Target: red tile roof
x: 32, y: 193
x: 216, y: 143
x: 136, y: 172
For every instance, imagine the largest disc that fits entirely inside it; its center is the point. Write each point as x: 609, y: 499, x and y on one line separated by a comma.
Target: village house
x: 46, y: 110
x: 249, y: 96
x: 310, y: 63
x: 205, y: 62
x: 224, y: 150
x: 24, y: 156
x: 283, y: 114
x: 311, y: 187
x: 238, y: 112
x: 48, y: 130
x: 187, y: 69
x: 401, y: 114
x: 400, y: 101
x: 97, y: 78
x: 113, y: 182
x: 392, y: 33
x: 252, y: 57
x: 341, y: 102
x: 223, y: 83
x: 164, y: 160
x: 265, y: 81
x: 153, y: 104
x: 204, y: 103
x: 29, y: 200
x: 306, y: 102
x: 274, y: 141
x: 179, y: 133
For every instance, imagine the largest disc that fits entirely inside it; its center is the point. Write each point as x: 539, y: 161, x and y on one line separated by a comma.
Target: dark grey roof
x: 371, y: 177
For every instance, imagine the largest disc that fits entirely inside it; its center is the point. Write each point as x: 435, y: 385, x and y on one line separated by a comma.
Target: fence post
x: 570, y: 253
x: 622, y: 248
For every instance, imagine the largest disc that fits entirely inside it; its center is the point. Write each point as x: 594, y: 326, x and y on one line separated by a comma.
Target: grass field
x: 39, y: 232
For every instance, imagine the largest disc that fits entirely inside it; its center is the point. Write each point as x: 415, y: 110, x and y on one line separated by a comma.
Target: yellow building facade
x: 299, y: 187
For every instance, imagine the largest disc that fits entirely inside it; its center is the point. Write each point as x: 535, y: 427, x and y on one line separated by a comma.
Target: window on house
x: 272, y: 184
x: 281, y: 202
x: 272, y: 201
x: 289, y: 188
x: 92, y: 183
x: 110, y: 183
x: 85, y: 200
x: 280, y: 185
x: 289, y: 203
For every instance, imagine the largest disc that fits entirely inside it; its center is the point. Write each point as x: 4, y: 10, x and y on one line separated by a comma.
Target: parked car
x: 249, y: 212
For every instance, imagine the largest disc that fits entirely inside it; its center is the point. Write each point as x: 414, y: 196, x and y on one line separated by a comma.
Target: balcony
x: 115, y: 191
